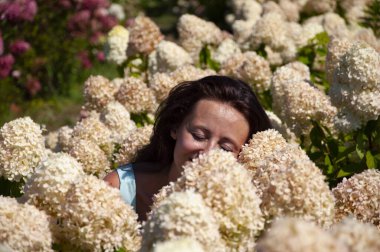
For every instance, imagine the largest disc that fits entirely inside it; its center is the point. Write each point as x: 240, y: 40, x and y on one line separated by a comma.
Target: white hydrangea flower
x: 294, y: 187
x: 95, y: 218
x: 260, y: 147
x: 182, y: 214
x: 23, y: 227
x: 93, y: 130
x: 132, y: 143
x: 356, y: 235
x: 47, y: 187
x: 144, y: 36
x: 22, y: 148
x: 225, y: 50
x: 288, y: 182
x: 355, y: 87
x: 226, y: 187
x: 186, y: 244
x: 92, y: 158
x: 297, y: 102
x: 64, y: 138
x: 359, y: 196
x: 242, y: 31
x: 98, y: 92
x: 51, y: 140
x: 250, y: 67
x: 117, y: 11
x: 117, y: 44
x: 354, y: 9
x: 167, y: 57
x: 162, y: 83
x: 194, y: 33
x: 318, y: 7
x: 270, y: 30
x: 136, y: 97
x: 246, y: 9
x: 295, y: 235
x: 281, y: 127
x: 117, y: 118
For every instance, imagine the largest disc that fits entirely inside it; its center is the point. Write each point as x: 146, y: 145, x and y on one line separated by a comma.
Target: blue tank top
x: 127, y: 184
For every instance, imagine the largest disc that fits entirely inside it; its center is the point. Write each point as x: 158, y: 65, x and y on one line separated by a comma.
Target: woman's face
x: 211, y: 124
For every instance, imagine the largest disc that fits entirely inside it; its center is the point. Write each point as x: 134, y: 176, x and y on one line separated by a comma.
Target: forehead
x: 216, y: 115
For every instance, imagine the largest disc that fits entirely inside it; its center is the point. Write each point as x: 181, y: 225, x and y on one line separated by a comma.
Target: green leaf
x: 120, y: 250
x: 333, y: 147
x: 360, y: 145
x: 343, y: 173
x: 330, y: 167
x: 370, y: 160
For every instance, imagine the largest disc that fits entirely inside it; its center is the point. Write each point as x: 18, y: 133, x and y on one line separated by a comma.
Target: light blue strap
x: 127, y: 184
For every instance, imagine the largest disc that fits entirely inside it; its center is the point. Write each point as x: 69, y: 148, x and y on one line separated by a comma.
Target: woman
x: 197, y: 116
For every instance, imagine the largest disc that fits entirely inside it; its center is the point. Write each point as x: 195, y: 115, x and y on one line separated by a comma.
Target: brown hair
x: 180, y: 101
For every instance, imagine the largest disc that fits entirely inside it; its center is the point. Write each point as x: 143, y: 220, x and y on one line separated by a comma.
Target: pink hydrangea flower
x: 94, y: 4
x: 19, y: 10
x: 19, y: 47
x: 33, y: 85
x: 6, y: 63
x: 85, y: 59
x: 1, y: 44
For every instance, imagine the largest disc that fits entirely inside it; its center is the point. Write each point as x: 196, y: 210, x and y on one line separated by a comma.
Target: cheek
x: 186, y: 144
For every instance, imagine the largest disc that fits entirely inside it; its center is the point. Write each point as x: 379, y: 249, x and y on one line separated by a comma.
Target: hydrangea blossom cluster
x: 132, y: 143
x: 162, y: 83
x: 48, y: 185
x: 19, y: 10
x: 287, y: 181
x: 64, y: 138
x: 135, y: 95
x: 182, y: 214
x: 356, y: 235
x: 226, y: 188
x: 98, y: 92
x: 271, y: 26
x: 179, y: 245
x: 359, y: 196
x: 117, y: 118
x: 225, y: 50
x: 117, y: 44
x: 167, y: 57
x: 22, y: 148
x: 91, y: 157
x: 51, y: 140
x: 144, y: 36
x: 250, y: 67
x: 278, y: 125
x: 93, y: 130
x: 355, y: 86
x: 295, y: 235
x: 23, y: 227
x: 195, y: 33
x: 297, y: 102
x: 261, y: 147
x: 88, y: 223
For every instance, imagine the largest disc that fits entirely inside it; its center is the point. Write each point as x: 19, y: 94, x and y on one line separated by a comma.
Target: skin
x: 211, y: 124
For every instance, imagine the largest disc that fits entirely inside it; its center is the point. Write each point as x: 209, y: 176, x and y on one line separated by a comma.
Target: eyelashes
x: 201, y: 137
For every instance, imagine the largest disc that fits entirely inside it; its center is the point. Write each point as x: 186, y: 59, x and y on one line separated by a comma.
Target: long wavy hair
x: 180, y: 102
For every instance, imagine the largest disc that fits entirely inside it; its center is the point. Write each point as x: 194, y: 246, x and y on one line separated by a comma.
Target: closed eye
x: 227, y: 148
x: 198, y: 136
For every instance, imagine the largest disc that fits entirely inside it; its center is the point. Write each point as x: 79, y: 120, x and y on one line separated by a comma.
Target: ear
x: 173, y: 134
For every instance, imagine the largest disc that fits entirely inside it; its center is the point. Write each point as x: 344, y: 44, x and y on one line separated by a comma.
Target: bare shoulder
x: 113, y: 179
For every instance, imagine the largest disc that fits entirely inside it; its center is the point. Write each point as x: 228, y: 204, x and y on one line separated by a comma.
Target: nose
x: 210, y: 145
